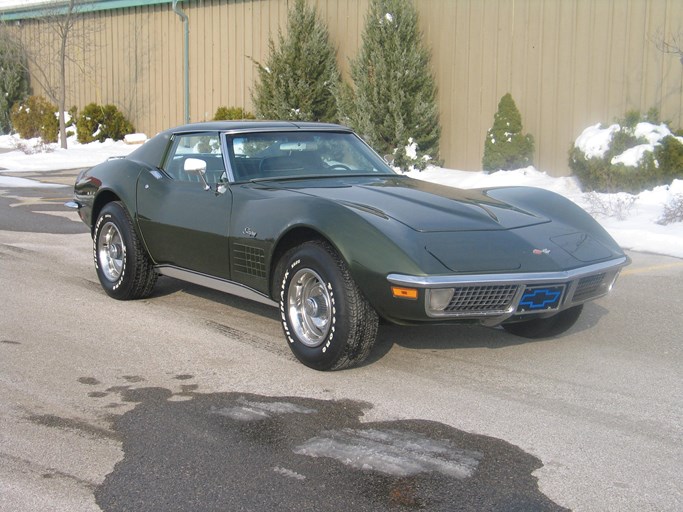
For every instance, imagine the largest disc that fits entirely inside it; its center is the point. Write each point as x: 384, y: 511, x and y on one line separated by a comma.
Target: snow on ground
x: 631, y: 220
x: 56, y: 158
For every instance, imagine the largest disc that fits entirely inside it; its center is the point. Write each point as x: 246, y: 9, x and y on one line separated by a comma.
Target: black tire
x: 328, y: 323
x: 546, y: 327
x: 123, y: 266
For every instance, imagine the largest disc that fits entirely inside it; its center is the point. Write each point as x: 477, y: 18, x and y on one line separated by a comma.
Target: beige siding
x: 567, y: 63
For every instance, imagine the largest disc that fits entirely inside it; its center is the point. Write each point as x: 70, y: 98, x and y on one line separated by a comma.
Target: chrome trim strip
x: 293, y: 127
x: 215, y: 283
x: 510, y: 278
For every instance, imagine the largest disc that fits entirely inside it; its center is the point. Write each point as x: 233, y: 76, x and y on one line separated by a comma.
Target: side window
x: 204, y: 146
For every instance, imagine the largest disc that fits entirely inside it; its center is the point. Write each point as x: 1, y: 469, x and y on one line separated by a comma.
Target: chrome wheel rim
x: 310, y: 307
x: 111, y: 251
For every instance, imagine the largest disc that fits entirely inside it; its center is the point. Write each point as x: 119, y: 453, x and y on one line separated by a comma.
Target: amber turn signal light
x: 404, y: 293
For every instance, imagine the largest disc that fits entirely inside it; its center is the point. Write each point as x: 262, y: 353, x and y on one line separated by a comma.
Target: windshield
x: 286, y: 155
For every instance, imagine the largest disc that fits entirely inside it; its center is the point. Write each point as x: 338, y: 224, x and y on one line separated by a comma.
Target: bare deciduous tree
x: 56, y: 39
x: 673, y: 44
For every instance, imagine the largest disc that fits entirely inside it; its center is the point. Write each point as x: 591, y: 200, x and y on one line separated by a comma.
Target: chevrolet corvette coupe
x: 308, y: 218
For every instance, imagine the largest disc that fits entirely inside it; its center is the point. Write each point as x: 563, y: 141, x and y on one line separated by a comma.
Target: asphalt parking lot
x: 190, y: 400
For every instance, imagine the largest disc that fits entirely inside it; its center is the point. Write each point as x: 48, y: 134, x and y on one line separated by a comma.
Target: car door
x: 183, y: 224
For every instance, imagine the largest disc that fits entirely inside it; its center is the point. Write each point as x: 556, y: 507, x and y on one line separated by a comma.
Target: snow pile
x: 33, y: 155
x: 594, y: 141
x: 135, y: 138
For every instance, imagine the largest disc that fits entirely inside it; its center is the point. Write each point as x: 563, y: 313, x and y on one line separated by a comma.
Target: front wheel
x: 328, y: 323
x: 123, y: 266
x: 546, y: 327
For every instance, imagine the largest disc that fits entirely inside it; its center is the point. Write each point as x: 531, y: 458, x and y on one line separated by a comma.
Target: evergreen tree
x: 393, y: 101
x: 300, y: 75
x: 506, y: 148
x: 13, y: 78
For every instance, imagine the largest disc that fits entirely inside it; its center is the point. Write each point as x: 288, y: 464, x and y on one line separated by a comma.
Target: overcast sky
x: 5, y: 4
x: 8, y: 4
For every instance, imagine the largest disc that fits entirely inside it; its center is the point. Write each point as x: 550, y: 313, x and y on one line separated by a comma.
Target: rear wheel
x: 123, y: 266
x: 546, y: 327
x: 328, y: 323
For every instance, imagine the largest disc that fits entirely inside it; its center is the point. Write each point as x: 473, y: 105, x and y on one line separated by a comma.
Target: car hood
x: 420, y: 205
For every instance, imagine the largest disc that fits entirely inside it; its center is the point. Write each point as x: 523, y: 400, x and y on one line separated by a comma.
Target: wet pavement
x: 39, y: 209
x: 235, y: 451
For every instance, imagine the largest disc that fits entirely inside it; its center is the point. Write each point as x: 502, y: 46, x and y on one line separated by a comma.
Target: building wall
x: 567, y: 63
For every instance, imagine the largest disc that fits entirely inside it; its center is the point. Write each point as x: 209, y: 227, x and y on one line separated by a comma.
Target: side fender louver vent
x: 249, y: 260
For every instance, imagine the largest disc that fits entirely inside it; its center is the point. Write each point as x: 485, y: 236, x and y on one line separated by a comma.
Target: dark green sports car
x: 307, y: 218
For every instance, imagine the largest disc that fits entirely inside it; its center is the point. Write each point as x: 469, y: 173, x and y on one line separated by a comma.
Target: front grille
x: 588, y: 287
x: 482, y: 299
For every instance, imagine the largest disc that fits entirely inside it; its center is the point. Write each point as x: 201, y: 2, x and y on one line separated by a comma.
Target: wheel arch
x: 292, y: 238
x: 103, y: 198
x: 369, y: 253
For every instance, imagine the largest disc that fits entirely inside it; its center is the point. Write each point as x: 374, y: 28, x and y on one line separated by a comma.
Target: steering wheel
x: 340, y: 167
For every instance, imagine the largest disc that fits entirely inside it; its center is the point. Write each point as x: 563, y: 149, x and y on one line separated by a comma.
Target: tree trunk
x: 64, y: 35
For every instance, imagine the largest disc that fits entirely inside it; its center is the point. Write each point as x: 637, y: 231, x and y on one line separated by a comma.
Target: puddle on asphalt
x: 235, y: 451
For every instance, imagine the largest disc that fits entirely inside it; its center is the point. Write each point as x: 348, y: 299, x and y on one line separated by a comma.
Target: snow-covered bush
x: 231, y: 113
x: 298, y: 80
x: 392, y: 103
x: 98, y: 122
x: 35, y: 117
x: 506, y: 147
x: 32, y: 147
x: 631, y: 155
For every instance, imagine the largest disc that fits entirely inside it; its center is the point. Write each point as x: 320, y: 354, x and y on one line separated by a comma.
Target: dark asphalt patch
x: 28, y: 210
x: 234, y: 451
x: 89, y: 381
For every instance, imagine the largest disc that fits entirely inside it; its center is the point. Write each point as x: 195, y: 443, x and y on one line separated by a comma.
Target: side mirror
x: 197, y: 167
x: 194, y: 166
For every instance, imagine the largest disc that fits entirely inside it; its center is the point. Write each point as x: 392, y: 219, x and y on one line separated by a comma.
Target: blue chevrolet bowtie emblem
x: 540, y: 298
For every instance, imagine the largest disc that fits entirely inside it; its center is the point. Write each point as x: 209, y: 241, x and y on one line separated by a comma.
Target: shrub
x: 13, y: 79
x: 232, y: 113
x: 71, y: 118
x: 29, y: 148
x: 618, y: 206
x: 392, y: 103
x: 35, y: 117
x: 100, y: 123
x: 632, y: 155
x: 601, y: 175
x: 300, y: 75
x: 673, y: 211
x: 669, y: 156
x: 506, y: 148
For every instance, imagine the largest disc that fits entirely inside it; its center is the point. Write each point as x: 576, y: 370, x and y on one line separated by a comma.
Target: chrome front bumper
x: 493, y: 298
